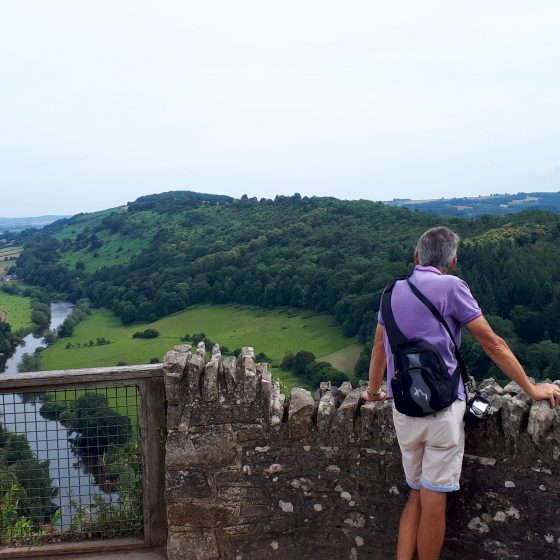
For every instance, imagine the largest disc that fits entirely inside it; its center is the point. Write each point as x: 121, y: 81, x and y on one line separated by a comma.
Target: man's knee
x: 432, y: 501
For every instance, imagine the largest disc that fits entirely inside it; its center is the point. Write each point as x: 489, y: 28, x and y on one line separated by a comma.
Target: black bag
x: 422, y: 384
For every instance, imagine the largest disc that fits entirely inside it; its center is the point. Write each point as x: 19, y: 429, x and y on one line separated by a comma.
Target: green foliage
x: 323, y: 371
x: 201, y: 337
x: 25, y: 486
x: 79, y: 313
x: 176, y: 200
x: 122, y: 467
x: 50, y: 337
x: 99, y: 341
x: 53, y: 409
x: 148, y: 333
x: 301, y: 361
x: 30, y: 362
x: 39, y: 318
x: 8, y: 339
x: 542, y: 360
x: 304, y: 363
x: 9, y: 511
x: 288, y: 361
x: 96, y: 425
x: 361, y: 369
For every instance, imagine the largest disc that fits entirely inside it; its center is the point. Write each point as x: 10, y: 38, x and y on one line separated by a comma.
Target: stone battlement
x: 252, y: 476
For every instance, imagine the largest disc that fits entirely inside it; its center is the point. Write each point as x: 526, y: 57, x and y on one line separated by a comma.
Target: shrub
x: 148, y: 333
x: 287, y: 361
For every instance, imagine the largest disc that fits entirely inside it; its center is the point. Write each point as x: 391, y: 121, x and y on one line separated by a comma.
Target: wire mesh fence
x: 70, y: 465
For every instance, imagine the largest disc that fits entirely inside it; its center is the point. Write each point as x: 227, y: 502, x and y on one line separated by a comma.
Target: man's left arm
x: 377, y: 366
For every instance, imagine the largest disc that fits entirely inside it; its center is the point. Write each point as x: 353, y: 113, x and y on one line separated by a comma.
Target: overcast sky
x: 103, y: 101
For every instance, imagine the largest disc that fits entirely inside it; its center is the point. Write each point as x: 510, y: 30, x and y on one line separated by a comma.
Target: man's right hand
x: 546, y: 392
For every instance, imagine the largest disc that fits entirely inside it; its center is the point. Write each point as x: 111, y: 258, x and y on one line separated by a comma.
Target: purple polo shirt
x: 450, y: 295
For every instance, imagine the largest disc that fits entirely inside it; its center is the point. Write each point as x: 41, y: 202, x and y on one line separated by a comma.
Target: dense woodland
x: 177, y: 249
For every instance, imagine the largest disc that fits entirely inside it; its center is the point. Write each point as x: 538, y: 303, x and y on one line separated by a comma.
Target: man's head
x: 437, y: 247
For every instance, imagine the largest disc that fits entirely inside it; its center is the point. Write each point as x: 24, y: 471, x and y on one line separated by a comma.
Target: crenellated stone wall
x: 250, y: 476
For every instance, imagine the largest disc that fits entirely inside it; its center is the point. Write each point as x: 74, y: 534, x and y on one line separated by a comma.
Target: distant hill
x: 496, y: 204
x: 19, y: 224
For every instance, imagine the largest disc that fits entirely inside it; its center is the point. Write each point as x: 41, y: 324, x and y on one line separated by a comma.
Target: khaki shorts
x: 432, y: 447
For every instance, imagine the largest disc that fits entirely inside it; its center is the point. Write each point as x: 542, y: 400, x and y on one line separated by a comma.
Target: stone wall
x: 250, y: 476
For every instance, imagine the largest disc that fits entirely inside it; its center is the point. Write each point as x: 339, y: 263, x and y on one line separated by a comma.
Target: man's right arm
x: 499, y: 352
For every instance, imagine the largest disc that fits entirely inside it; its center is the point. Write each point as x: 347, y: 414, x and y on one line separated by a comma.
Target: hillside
x: 496, y: 204
x: 163, y: 253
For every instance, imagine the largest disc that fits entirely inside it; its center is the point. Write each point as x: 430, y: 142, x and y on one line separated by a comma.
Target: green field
x: 18, y: 309
x: 346, y: 358
x: 8, y: 258
x: 272, y: 332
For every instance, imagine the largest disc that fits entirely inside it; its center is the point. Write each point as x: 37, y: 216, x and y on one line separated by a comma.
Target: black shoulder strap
x: 394, y: 334
x: 439, y: 317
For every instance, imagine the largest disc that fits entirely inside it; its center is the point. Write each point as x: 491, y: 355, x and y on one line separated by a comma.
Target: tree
x: 301, y: 359
x: 33, y: 490
x: 288, y: 361
x: 528, y: 324
x: 7, y: 338
x: 40, y: 318
x: 96, y: 425
x: 50, y: 338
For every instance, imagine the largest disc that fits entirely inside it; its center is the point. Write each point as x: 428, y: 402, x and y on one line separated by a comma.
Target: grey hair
x: 437, y: 247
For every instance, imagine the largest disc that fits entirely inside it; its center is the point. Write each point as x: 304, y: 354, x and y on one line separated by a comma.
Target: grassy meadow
x: 18, y: 310
x: 8, y: 257
x: 273, y: 332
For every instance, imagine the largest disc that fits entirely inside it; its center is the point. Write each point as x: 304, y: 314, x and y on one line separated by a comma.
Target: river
x: 48, y: 438
x: 59, y: 311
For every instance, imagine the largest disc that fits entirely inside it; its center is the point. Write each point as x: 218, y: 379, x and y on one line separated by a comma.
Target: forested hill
x: 163, y: 253
x: 468, y: 207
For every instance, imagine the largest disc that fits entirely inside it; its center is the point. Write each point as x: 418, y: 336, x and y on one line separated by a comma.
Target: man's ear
x: 453, y: 263
x: 416, y: 259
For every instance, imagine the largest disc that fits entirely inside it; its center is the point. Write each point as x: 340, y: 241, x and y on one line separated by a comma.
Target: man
x: 432, y: 446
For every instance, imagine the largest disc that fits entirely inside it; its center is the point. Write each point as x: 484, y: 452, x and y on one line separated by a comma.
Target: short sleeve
x: 465, y: 308
x: 380, y: 319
